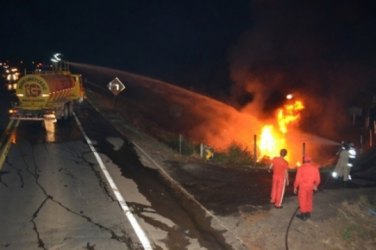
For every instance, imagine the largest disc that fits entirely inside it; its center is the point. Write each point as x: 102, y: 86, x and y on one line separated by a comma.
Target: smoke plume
x: 318, y: 50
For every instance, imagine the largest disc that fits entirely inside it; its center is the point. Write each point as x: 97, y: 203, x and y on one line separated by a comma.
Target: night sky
x: 177, y: 41
x: 216, y: 47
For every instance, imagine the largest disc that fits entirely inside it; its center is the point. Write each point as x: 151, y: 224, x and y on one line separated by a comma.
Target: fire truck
x: 47, y: 95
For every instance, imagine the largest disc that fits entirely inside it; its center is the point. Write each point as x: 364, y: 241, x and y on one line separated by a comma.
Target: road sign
x: 116, y: 86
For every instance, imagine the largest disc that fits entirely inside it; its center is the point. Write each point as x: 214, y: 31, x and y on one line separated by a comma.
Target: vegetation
x: 234, y: 155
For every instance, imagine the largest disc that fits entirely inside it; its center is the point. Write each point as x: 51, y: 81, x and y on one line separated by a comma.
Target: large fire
x: 205, y: 120
x: 270, y: 142
x: 273, y: 138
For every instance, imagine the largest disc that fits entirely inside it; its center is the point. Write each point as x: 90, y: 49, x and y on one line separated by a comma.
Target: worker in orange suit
x: 280, y: 178
x: 306, y: 182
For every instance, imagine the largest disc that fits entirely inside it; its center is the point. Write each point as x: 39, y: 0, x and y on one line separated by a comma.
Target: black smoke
x: 321, y: 50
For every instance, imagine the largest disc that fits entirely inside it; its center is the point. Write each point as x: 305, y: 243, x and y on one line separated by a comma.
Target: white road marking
x: 137, y: 228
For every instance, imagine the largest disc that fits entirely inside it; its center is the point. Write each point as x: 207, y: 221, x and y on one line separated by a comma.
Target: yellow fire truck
x: 47, y: 95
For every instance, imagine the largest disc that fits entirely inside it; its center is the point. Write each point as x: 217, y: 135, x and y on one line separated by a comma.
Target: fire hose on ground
x: 296, y: 210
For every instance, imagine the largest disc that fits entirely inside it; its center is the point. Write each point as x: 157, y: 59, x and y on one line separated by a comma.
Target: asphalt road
x: 53, y: 194
x: 170, y: 223
x: 52, y: 197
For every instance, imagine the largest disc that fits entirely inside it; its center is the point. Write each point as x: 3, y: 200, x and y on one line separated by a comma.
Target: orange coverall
x: 307, y: 180
x: 280, y: 167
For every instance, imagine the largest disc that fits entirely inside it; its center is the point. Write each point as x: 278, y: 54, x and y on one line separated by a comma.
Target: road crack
x: 34, y: 172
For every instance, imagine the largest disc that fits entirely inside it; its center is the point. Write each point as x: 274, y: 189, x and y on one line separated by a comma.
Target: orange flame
x: 288, y: 114
x: 271, y: 140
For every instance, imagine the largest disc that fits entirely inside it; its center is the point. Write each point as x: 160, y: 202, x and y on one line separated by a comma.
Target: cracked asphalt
x: 52, y: 196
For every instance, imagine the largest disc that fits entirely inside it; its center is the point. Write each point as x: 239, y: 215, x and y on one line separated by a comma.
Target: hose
x: 288, y: 228
x: 296, y: 210
x: 290, y: 222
